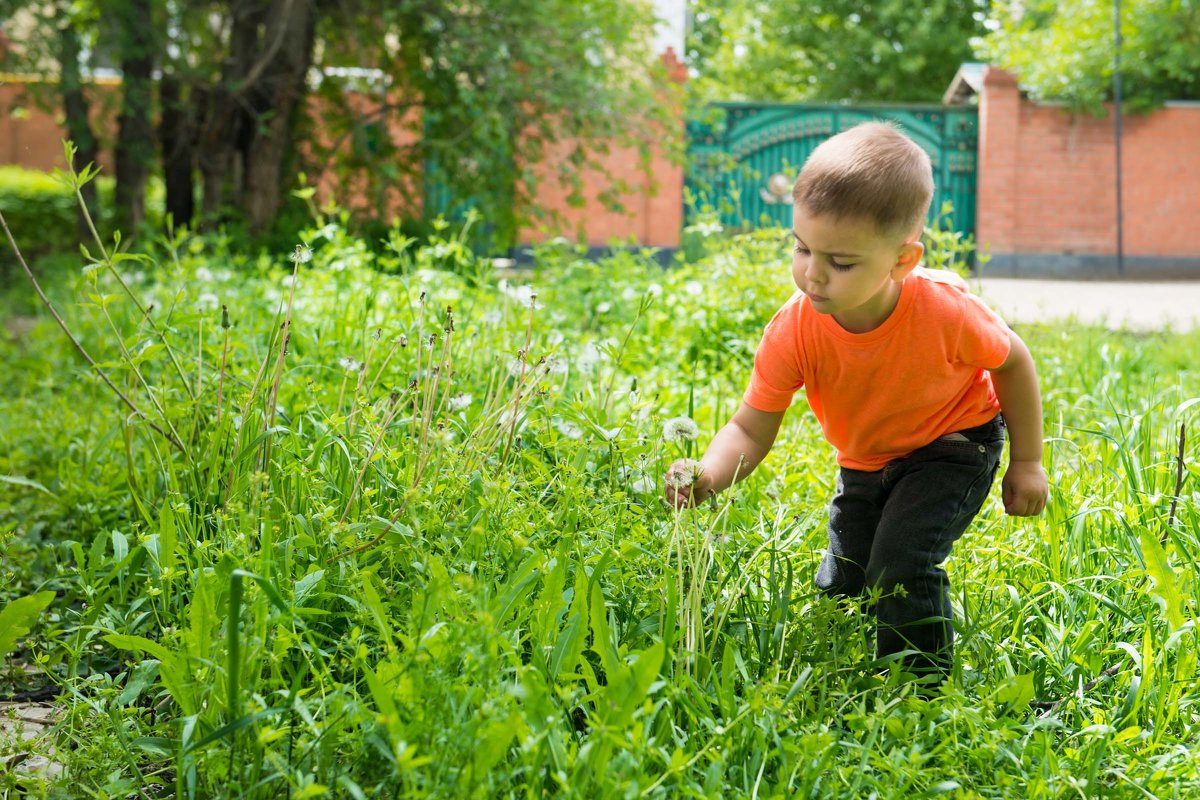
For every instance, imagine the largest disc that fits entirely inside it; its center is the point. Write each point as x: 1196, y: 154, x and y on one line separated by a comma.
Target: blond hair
x: 871, y: 171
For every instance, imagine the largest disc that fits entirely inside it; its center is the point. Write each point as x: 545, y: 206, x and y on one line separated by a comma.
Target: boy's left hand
x: 1024, y: 489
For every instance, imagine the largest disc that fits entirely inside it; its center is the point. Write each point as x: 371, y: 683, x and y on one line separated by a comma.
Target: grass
x: 408, y: 542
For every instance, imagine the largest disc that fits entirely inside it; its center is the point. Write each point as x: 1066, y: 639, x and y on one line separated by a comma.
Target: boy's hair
x: 870, y: 171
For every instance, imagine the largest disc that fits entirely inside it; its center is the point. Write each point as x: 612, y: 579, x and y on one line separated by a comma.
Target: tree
x: 1063, y: 50
x: 831, y: 50
x: 485, y: 89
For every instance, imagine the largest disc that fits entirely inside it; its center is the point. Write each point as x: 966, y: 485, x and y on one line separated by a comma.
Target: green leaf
x: 18, y: 617
x: 17, y: 481
x: 1166, y: 585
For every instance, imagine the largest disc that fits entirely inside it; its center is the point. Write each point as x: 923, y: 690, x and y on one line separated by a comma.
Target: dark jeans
x: 893, y: 528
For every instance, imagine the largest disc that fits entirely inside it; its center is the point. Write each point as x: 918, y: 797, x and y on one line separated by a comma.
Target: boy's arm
x: 735, y: 451
x: 1024, y: 486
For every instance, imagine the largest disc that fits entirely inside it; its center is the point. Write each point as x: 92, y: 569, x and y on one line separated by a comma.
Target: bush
x: 40, y: 210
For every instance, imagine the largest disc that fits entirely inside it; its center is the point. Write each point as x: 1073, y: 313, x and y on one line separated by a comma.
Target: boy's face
x: 847, y: 268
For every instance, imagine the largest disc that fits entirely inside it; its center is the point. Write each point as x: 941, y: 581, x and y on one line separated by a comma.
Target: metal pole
x: 1117, y: 132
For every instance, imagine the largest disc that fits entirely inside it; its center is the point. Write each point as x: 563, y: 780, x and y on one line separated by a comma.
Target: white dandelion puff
x: 208, y: 301
x: 301, y: 255
x: 693, y: 288
x: 460, y: 401
x: 204, y: 274
x: 642, y: 485
x: 684, y: 474
x: 604, y: 308
x: 569, y: 429
x: 680, y: 428
x: 349, y: 364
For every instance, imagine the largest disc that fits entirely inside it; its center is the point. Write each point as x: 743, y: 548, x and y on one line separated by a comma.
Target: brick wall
x: 652, y: 210
x: 1047, y: 196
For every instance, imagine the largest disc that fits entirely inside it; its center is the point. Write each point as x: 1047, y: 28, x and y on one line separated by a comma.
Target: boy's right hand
x: 686, y: 483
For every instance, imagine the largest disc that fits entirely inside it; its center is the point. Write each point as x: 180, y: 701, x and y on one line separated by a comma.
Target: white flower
x: 203, y: 274
x: 349, y: 364
x: 506, y: 420
x: 237, y: 422
x: 629, y: 294
x: 568, y: 429
x: 301, y: 255
x: 553, y: 365
x: 492, y: 317
x: 604, y: 308
x: 684, y: 475
x: 460, y: 401
x: 516, y: 367
x: 678, y: 428
x: 608, y: 434
x: 654, y: 290
x: 555, y: 337
x: 693, y: 287
x: 208, y: 301
x: 642, y: 485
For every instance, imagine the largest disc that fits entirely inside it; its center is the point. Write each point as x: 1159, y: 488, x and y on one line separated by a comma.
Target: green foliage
x: 833, y: 50
x: 1063, y: 51
x: 951, y: 249
x: 418, y: 550
x: 34, y: 201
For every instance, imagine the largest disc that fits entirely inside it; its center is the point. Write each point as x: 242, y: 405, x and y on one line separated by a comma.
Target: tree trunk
x: 76, y: 108
x: 177, y: 134
x: 135, y: 146
x: 279, y: 91
x: 226, y: 117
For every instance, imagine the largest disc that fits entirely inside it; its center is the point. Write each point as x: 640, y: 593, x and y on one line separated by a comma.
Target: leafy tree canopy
x: 1063, y: 50
x: 830, y: 50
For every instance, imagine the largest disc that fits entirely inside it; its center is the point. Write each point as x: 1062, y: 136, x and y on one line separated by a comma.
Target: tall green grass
x: 407, y: 542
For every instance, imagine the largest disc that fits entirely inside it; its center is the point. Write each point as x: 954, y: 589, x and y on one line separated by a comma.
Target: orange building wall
x: 1047, y: 184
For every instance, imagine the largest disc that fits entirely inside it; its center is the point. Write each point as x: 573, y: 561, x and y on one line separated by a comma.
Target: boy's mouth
x: 816, y: 298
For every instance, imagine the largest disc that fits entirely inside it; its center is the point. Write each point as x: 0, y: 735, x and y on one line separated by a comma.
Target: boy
x: 907, y: 373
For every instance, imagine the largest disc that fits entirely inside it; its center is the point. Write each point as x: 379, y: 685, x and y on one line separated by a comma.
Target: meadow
x: 378, y: 519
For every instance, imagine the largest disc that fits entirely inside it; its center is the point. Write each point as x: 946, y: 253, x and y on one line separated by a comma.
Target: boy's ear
x: 907, y: 260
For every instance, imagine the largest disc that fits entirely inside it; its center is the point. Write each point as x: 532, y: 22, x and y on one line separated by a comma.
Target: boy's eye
x: 839, y: 265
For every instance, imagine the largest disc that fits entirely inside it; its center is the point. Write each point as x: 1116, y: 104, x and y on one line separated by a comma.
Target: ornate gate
x: 743, y: 158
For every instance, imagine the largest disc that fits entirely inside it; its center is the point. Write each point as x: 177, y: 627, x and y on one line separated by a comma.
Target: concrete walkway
x: 1138, y: 306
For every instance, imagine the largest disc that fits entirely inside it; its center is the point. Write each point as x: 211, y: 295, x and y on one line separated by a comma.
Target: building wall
x: 1047, y: 188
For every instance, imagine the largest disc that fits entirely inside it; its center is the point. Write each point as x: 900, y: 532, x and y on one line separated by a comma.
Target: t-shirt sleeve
x: 983, y: 339
x: 777, y: 374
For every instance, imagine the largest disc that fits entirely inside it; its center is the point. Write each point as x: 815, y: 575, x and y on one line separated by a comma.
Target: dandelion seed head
x: 642, y: 486
x: 604, y: 308
x: 460, y: 401
x: 301, y: 255
x: 203, y: 274
x: 349, y: 364
x: 684, y: 474
x: 680, y: 428
x: 207, y: 301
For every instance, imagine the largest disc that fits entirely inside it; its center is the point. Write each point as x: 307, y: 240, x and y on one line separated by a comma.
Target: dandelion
x: 654, y: 290
x: 569, y: 429
x: 693, y: 288
x: 642, y: 485
x: 460, y: 401
x: 349, y: 364
x: 203, y: 274
x: 684, y: 474
x: 680, y: 428
x: 207, y: 301
x: 604, y: 308
x: 301, y: 255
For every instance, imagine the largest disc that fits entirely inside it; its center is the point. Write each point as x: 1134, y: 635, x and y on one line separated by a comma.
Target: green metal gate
x: 743, y: 158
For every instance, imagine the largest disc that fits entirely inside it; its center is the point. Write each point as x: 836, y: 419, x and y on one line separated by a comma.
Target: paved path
x: 1116, y: 304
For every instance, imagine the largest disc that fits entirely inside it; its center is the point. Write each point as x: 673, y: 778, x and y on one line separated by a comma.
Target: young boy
x: 907, y: 373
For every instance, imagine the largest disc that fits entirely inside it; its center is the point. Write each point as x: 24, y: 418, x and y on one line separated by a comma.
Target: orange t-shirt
x: 882, y: 394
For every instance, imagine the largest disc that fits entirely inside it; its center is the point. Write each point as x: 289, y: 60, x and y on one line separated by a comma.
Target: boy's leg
x: 853, y: 515
x: 933, y: 495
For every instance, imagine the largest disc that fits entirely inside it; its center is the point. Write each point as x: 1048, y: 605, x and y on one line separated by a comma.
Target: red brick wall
x: 652, y: 215
x: 1047, y: 179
